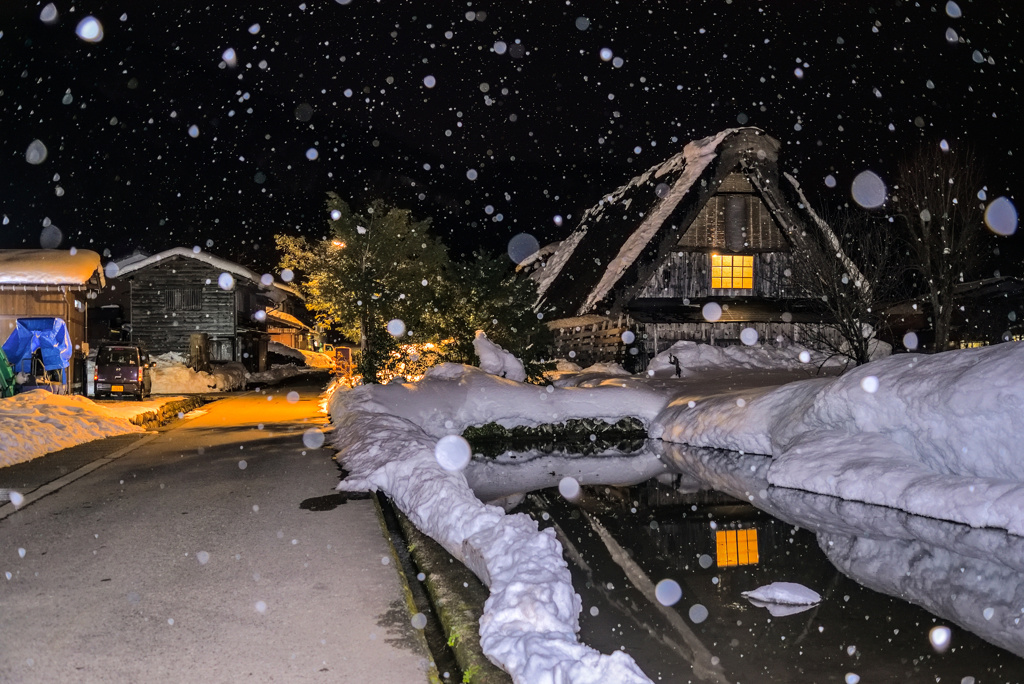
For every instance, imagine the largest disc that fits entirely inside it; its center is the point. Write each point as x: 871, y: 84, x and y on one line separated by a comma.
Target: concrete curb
x: 458, y: 599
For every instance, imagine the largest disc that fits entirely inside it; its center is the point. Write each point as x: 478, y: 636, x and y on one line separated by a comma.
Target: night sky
x: 494, y: 118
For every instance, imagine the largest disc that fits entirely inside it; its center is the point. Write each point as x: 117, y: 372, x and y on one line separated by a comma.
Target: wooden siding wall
x: 589, y: 344
x: 162, y: 330
x: 33, y: 302
x: 687, y: 275
x: 658, y: 337
x: 760, y: 230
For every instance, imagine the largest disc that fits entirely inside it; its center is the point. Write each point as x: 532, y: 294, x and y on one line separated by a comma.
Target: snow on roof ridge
x: 693, y: 160
x: 49, y: 266
x: 132, y: 263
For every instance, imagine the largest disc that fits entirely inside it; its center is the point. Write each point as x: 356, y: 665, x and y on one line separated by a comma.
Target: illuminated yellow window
x: 732, y: 272
x: 736, y: 547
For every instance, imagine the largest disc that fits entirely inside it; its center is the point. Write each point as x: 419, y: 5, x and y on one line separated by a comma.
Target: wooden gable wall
x: 174, y: 298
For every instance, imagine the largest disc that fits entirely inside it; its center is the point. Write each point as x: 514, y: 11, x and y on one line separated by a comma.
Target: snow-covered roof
x: 49, y: 267
x: 136, y: 262
x: 633, y: 228
x: 285, y: 319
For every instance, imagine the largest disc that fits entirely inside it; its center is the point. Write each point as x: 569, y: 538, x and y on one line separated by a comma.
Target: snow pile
x: 274, y: 374
x: 694, y: 358
x: 386, y: 439
x: 36, y: 423
x: 497, y: 361
x: 309, y: 358
x: 933, y: 435
x: 786, y: 593
x: 171, y: 376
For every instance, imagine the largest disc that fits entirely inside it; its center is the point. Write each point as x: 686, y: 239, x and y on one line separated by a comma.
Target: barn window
x: 732, y: 272
x: 184, y: 299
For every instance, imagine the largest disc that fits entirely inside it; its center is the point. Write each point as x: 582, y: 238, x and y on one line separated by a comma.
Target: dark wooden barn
x: 716, y: 224
x: 179, y: 296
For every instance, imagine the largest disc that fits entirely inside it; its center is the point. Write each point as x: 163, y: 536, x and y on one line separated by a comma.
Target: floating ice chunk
x: 452, y: 452
x: 786, y: 593
x: 668, y: 592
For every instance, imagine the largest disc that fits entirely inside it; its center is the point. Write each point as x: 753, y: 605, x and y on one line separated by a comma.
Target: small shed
x: 50, y: 283
x: 716, y: 224
x: 169, y: 296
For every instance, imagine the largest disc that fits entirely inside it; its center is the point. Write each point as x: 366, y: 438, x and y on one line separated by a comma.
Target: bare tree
x: 856, y: 272
x: 937, y: 203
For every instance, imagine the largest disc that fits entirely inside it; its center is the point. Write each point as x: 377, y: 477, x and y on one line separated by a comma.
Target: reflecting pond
x: 892, y: 584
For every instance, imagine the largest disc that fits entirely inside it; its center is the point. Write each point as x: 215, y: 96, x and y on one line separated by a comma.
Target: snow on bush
x: 386, y: 437
x: 933, y: 435
x: 497, y: 361
x: 36, y: 423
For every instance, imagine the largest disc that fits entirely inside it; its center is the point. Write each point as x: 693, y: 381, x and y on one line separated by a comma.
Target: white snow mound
x: 787, y: 593
x: 497, y: 361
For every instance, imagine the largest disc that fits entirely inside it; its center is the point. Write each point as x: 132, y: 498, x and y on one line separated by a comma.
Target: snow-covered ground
x: 36, y: 423
x: 933, y: 435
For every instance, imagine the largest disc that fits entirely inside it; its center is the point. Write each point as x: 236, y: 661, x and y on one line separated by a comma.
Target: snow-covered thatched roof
x: 49, y: 267
x: 621, y: 240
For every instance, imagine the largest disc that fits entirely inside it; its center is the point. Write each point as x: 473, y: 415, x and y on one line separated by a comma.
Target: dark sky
x: 522, y: 99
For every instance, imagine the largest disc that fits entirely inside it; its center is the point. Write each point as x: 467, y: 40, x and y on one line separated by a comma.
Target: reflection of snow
x: 972, y: 577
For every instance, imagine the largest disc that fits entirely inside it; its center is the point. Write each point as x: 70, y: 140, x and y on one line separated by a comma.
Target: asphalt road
x: 215, y: 550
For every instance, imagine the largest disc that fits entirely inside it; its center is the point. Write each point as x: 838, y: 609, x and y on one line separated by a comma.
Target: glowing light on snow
x: 748, y: 336
x: 522, y: 246
x: 711, y: 312
x: 193, y: 131
x: 292, y: 397
x: 805, y: 356
x: 910, y: 341
x: 582, y: 23
x: 452, y: 453
x: 471, y: 174
x: 203, y: 557
x: 868, y: 190
x: 36, y: 152
x: 225, y: 281
x: 830, y: 181
x: 628, y: 336
x: 869, y: 384
x: 90, y: 30
x: 1001, y: 216
x: 313, y: 438
x: 287, y: 275
x: 396, y: 327
x: 940, y: 637
x: 500, y: 47
x: 606, y: 54
x: 569, y: 488
x: 49, y: 14
x: 242, y: 465
x: 668, y: 592
x: 953, y: 10
x: 312, y: 154
x: 261, y: 607
x: 698, y: 613
x: 16, y: 498
x: 429, y: 81
x: 419, y: 620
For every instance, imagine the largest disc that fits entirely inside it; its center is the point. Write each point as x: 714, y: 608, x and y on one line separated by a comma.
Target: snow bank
x: 36, y: 423
x: 933, y: 435
x: 309, y: 358
x: 171, y: 376
x: 386, y: 437
x: 695, y: 358
x: 497, y: 361
x: 274, y: 374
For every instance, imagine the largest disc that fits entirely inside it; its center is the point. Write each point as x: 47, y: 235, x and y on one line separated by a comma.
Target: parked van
x: 122, y: 370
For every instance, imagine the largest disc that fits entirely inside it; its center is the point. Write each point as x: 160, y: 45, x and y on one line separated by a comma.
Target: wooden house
x: 179, y: 296
x: 51, y: 283
x: 716, y: 224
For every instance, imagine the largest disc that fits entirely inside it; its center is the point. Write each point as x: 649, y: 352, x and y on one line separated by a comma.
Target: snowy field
x: 932, y: 435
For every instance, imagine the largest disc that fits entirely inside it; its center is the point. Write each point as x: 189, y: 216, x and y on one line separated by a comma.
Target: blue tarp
x: 48, y: 335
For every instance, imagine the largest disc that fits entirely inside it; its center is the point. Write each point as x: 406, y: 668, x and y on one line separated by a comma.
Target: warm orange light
x: 338, y: 243
x: 732, y: 272
x: 736, y: 547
